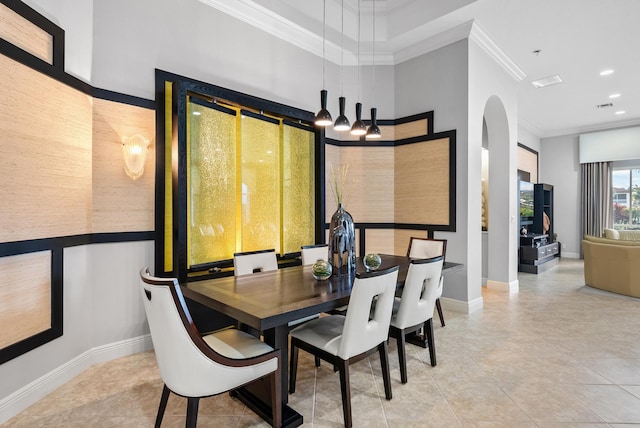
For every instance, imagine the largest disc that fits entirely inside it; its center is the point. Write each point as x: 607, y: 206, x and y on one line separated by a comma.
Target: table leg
x: 278, y: 338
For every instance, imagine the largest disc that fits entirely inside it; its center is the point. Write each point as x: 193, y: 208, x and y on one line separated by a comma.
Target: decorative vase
x: 342, y: 243
x: 321, y: 269
x: 372, y: 261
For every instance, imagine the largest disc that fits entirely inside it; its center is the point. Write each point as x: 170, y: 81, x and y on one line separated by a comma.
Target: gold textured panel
x: 298, y: 189
x: 369, y: 187
x: 422, y: 182
x: 528, y: 161
x: 260, y: 184
x: 45, y: 156
x: 26, y: 35
x: 212, y: 185
x: 25, y: 293
x: 121, y: 204
x: 379, y: 241
x: 169, y: 134
x: 411, y: 129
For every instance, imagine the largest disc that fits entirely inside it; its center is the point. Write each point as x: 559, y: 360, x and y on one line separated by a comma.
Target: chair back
x: 187, y: 363
x: 419, y: 293
x: 426, y: 248
x: 363, y: 331
x: 254, y: 261
x: 313, y: 253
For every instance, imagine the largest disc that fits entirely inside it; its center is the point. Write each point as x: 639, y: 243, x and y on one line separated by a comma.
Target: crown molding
x: 434, y: 42
x: 591, y: 128
x: 480, y: 37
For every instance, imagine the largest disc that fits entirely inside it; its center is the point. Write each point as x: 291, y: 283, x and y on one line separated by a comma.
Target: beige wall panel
x: 411, y: 129
x: 121, y: 204
x: 379, y: 241
x: 401, y: 239
x: 528, y: 161
x: 332, y: 157
x: 25, y: 293
x: 422, y: 182
x: 45, y: 156
x: 387, y: 133
x: 370, y: 198
x: 27, y: 36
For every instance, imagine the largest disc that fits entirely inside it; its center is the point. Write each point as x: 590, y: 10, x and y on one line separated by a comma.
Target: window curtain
x: 597, y: 198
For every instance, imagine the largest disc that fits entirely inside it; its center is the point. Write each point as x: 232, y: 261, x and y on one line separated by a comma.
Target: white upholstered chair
x: 414, y: 310
x: 312, y: 253
x: 196, y: 366
x: 426, y: 248
x: 254, y: 261
x: 345, y: 339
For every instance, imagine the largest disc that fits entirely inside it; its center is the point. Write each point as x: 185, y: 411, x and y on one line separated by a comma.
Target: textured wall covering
x: 18, y: 31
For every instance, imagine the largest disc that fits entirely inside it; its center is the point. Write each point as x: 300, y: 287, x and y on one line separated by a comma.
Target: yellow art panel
x: 212, y: 185
x: 298, y: 189
x: 260, y: 184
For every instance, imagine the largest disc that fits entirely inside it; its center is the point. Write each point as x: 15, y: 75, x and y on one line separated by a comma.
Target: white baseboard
x: 510, y: 287
x: 570, y: 255
x: 460, y: 306
x: 34, y: 391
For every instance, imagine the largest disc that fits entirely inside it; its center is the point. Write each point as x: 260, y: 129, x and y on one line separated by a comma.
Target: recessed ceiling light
x: 620, y: 112
x: 546, y: 81
x: 614, y: 96
x: 606, y: 72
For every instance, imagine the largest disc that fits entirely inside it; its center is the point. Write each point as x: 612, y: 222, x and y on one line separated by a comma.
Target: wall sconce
x: 134, y: 149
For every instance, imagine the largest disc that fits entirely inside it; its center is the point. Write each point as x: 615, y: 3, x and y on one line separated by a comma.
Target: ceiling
x: 575, y: 39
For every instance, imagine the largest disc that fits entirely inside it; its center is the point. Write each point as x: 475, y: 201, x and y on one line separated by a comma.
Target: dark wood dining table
x: 269, y: 301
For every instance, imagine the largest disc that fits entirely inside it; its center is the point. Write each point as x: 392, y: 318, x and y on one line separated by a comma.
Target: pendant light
x: 323, y: 118
x: 342, y: 122
x: 374, y: 130
x: 359, y: 128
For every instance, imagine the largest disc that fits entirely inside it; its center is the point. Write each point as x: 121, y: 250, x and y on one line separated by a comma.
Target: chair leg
x: 192, y: 411
x: 276, y: 397
x: 402, y: 356
x: 163, y: 406
x: 317, y: 361
x: 439, y: 308
x: 386, y: 375
x: 293, y: 367
x: 428, y: 329
x: 345, y: 388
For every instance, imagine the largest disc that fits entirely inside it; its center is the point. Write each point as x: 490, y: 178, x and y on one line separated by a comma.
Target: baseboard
x: 34, y: 391
x: 510, y: 287
x: 570, y: 255
x: 460, y: 306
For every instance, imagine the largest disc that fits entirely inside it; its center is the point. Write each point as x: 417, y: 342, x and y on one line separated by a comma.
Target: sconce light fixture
x: 134, y: 149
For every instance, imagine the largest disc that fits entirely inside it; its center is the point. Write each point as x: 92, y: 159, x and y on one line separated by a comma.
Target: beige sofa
x: 624, y: 235
x: 612, y: 264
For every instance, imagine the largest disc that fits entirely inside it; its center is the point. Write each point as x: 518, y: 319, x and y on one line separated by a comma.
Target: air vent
x: 546, y: 81
x: 607, y: 105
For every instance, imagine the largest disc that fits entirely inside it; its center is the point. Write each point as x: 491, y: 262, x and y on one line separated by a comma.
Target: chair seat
x: 323, y: 333
x: 236, y: 344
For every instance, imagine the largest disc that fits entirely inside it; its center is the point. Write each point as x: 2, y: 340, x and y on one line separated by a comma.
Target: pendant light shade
x: 374, y: 130
x: 323, y: 118
x: 359, y: 127
x: 342, y: 123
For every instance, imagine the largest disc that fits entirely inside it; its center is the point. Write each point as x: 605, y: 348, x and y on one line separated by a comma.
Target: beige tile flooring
x: 553, y: 355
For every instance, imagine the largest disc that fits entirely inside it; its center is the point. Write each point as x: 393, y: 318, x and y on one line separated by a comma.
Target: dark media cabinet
x: 537, y: 254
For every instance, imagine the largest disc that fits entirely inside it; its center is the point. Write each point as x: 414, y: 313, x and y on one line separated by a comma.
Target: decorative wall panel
x: 422, y: 183
x: 25, y: 293
x: 415, y: 128
x: 20, y: 32
x: 212, y: 184
x: 121, y: 204
x: 528, y: 161
x: 45, y: 156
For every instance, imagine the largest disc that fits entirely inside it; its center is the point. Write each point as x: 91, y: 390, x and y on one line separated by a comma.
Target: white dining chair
x: 312, y: 253
x: 254, y: 261
x: 195, y: 366
x: 426, y: 248
x: 342, y: 340
x: 414, y: 310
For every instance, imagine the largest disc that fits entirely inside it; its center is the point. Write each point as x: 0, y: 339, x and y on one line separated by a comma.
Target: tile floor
x: 553, y: 355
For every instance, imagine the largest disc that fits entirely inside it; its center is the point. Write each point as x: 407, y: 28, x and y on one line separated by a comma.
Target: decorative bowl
x: 372, y: 261
x: 321, y: 270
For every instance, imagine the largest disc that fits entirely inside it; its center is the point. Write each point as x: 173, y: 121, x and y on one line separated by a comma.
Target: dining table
x: 268, y: 302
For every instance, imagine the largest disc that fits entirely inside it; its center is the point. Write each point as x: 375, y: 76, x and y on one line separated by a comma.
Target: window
x: 626, y: 198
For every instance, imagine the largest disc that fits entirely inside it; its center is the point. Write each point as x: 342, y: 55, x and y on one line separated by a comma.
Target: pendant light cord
x: 358, y: 50
x: 324, y: 13
x: 342, y: 48
x: 373, y: 43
